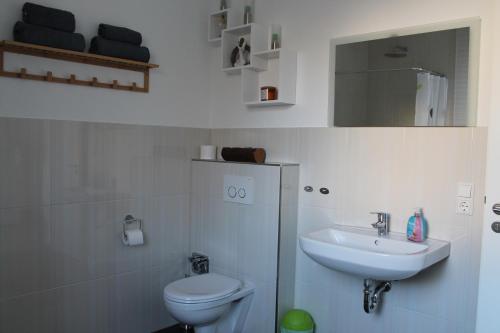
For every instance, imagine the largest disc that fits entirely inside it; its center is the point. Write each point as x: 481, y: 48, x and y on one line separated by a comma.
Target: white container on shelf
x: 208, y: 152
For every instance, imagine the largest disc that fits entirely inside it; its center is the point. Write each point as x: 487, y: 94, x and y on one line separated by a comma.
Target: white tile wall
x: 65, y: 188
x: 99, y: 162
x: 393, y: 170
x: 25, y: 163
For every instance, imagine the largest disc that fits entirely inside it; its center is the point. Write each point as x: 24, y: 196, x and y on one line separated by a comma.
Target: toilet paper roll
x: 208, y: 152
x: 133, y: 237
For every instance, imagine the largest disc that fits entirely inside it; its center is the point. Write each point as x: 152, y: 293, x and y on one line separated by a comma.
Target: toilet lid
x: 201, y: 288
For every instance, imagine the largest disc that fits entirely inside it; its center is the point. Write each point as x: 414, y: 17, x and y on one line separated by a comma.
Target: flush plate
x: 239, y: 189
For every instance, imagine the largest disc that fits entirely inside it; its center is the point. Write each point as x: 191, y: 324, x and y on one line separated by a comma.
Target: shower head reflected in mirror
x: 397, y: 52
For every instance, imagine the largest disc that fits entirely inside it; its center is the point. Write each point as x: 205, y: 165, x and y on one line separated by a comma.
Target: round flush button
x: 231, y: 191
x: 496, y: 209
x: 324, y: 190
x: 242, y: 193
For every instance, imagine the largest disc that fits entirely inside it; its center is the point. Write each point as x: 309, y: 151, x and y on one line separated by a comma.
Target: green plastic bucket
x: 297, y: 321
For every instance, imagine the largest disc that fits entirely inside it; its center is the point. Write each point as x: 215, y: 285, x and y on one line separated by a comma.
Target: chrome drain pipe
x: 372, y: 298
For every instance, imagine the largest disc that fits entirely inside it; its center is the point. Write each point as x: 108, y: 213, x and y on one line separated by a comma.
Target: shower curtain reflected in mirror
x: 404, y: 98
x: 431, y: 106
x: 404, y: 80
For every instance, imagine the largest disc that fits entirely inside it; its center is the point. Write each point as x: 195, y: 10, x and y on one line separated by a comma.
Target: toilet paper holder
x: 129, y: 219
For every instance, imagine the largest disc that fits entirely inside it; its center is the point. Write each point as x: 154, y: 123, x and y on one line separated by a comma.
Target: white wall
x: 487, y: 312
x: 174, y: 30
x: 308, y: 26
x: 189, y: 89
x: 391, y: 170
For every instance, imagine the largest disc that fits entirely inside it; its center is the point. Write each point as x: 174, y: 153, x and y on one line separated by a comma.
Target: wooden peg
x: 49, y: 76
x: 115, y: 84
x: 134, y: 86
x: 72, y: 78
x: 22, y: 74
x: 146, y: 80
x: 1, y: 59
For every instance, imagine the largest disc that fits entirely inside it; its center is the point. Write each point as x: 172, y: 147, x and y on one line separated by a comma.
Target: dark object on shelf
x: 240, y: 56
x: 120, y: 34
x: 28, y: 33
x: 250, y: 155
x: 72, y: 56
x: 268, y: 93
x: 49, y: 17
x: 111, y: 48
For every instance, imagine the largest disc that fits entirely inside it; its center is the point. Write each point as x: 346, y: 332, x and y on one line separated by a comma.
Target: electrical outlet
x: 464, y: 206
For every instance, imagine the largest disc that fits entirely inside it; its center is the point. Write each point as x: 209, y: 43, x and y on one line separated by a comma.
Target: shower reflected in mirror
x: 404, y: 81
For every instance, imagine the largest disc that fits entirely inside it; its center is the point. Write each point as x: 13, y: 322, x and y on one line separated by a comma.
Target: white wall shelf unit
x: 281, y: 72
x: 256, y: 37
x: 216, y: 26
x: 276, y: 68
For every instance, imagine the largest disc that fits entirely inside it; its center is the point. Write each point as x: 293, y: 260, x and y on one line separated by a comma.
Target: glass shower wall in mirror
x: 412, y: 80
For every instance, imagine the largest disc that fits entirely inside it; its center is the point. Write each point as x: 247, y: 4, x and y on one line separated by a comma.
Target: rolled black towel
x: 120, y: 34
x: 48, y: 17
x: 28, y: 33
x: 110, y: 48
x: 249, y: 155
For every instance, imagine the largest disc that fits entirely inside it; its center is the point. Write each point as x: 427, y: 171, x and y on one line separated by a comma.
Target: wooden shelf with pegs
x: 78, y: 57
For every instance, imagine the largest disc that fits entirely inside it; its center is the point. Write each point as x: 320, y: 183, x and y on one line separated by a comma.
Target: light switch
x: 465, y: 190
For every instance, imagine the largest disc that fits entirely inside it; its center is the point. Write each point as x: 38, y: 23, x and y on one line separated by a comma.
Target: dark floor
x: 173, y: 329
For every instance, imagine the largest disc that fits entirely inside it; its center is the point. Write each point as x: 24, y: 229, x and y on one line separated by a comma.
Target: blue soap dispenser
x: 417, y: 228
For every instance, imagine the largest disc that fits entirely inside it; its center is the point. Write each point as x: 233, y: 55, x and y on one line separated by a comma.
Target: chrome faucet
x: 199, y: 263
x: 382, y: 224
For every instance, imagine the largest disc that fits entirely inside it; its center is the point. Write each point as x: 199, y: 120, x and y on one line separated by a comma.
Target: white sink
x: 361, y: 252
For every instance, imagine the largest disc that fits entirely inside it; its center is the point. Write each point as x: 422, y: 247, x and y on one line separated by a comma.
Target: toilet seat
x: 201, y: 289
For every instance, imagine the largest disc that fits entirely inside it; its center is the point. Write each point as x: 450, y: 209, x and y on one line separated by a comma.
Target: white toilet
x: 211, y: 303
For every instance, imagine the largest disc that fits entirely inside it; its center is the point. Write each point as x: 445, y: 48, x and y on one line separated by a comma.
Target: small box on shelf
x: 281, y: 73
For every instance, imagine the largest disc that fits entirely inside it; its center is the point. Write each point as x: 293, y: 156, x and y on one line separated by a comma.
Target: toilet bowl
x: 211, y: 303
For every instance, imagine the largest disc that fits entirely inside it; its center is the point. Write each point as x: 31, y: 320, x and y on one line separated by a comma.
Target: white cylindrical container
x: 208, y: 152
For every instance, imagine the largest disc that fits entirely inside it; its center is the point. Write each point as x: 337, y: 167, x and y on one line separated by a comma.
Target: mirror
x: 405, y: 80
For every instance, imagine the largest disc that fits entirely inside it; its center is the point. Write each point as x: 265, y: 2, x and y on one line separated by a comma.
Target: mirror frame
x: 474, y: 24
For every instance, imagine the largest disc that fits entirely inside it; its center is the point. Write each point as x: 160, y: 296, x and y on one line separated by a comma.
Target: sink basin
x: 361, y: 252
